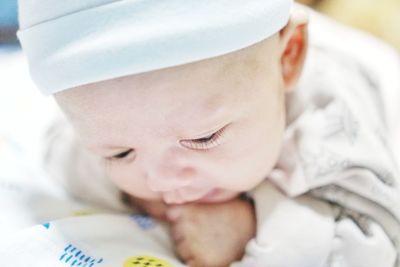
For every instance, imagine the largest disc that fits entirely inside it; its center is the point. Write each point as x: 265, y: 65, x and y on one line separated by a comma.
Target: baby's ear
x: 294, y: 42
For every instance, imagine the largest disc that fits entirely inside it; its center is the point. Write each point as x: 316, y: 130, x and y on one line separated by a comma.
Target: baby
x: 203, y: 132
x: 196, y: 121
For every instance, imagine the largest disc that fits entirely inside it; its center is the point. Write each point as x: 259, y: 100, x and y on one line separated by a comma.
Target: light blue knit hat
x: 74, y: 42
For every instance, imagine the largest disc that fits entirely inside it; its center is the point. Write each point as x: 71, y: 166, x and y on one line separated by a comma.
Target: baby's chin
x: 218, y: 195
x: 215, y: 195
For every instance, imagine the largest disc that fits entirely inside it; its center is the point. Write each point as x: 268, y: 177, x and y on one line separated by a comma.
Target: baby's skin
x: 186, y: 141
x: 207, y: 235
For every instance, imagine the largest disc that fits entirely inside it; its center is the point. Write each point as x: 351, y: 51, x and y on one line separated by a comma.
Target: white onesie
x: 338, y: 202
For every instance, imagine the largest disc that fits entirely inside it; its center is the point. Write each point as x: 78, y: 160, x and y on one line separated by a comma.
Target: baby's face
x: 200, y: 132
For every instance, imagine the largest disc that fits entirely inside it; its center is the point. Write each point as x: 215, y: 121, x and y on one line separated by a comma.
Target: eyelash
x: 203, y: 143
x: 121, y: 156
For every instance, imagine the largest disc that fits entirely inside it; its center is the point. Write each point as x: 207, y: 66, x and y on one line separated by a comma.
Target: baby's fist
x: 212, y: 235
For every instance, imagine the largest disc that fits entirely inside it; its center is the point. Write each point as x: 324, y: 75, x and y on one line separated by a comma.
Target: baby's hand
x: 212, y: 235
x: 156, y: 209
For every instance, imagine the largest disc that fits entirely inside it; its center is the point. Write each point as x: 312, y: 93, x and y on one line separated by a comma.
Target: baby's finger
x: 183, y: 251
x: 176, y: 232
x: 179, y: 229
x: 182, y: 228
x: 193, y: 263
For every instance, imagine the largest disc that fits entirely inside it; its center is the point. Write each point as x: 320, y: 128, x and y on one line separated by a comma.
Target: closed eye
x: 123, y: 154
x: 206, y: 139
x: 204, y: 143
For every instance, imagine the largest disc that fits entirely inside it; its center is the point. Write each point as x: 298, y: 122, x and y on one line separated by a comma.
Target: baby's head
x: 204, y: 131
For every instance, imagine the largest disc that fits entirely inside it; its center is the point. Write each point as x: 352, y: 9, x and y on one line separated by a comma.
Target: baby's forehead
x: 211, y: 76
x: 210, y: 68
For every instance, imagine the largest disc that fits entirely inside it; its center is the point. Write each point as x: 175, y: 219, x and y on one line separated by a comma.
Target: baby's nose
x: 169, y: 174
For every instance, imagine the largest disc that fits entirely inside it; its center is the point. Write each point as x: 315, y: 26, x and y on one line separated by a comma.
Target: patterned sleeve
x: 307, y: 231
x: 336, y: 151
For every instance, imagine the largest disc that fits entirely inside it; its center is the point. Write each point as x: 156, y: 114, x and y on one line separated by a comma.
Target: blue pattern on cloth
x: 145, y: 222
x: 75, y: 257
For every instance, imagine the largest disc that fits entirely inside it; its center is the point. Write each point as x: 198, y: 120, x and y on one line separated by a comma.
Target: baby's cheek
x: 246, y: 172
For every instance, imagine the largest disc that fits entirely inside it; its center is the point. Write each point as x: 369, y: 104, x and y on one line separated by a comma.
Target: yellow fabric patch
x: 146, y: 261
x: 78, y: 213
